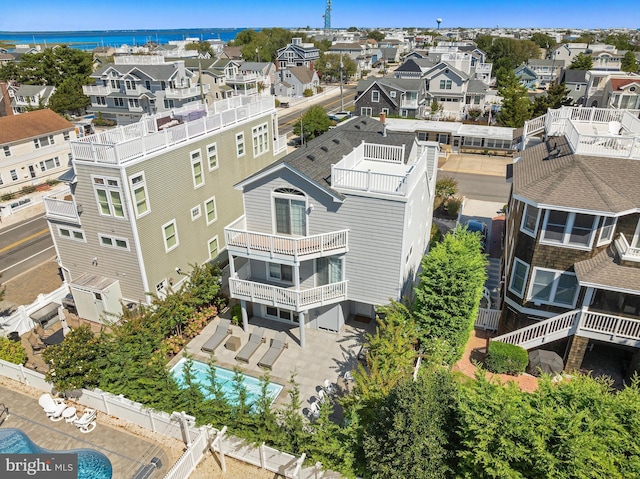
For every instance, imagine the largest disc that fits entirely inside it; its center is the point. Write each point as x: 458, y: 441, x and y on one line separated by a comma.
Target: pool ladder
x: 4, y: 413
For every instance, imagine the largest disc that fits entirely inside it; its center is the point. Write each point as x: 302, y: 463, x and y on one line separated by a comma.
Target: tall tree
x: 629, y: 63
x: 582, y: 61
x: 69, y: 98
x: 328, y: 66
x: 516, y: 107
x: 377, y: 35
x: 555, y: 97
x: 543, y: 40
x: 314, y: 122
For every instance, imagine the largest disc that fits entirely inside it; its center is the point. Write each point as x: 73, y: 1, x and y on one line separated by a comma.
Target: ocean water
x: 88, y: 40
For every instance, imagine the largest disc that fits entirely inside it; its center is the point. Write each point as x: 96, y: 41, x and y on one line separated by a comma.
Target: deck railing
x: 187, y: 92
x: 625, y: 250
x: 280, y: 144
x: 264, y: 244
x: 543, y: 332
x: 297, y: 300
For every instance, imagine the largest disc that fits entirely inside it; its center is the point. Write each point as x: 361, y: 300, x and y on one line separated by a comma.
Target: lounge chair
x: 36, y: 345
x: 87, y: 422
x: 222, y: 331
x: 256, y: 338
x: 53, y: 407
x: 275, y: 350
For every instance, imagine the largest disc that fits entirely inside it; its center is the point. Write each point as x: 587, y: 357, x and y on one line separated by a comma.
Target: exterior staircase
x: 581, y: 322
x: 533, y: 127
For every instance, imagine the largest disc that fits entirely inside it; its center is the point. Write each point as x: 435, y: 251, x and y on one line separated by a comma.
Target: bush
x: 453, y: 206
x: 307, y: 92
x: 277, y: 103
x: 7, y: 196
x: 12, y: 351
x: 236, y: 315
x: 446, y: 187
x: 505, y: 358
x: 52, y: 182
x: 319, y: 89
x: 25, y: 190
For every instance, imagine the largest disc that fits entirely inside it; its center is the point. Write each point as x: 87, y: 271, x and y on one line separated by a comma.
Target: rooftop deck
x: 123, y: 144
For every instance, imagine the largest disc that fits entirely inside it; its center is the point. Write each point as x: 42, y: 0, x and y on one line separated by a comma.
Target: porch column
x: 576, y: 353
x: 232, y: 267
x: 303, y: 338
x: 588, y: 296
x: 296, y: 276
x: 245, y: 316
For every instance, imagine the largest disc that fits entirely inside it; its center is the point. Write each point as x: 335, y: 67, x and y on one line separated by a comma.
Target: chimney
x: 383, y: 117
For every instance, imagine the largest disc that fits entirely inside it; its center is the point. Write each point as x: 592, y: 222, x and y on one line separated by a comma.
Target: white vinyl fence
x: 180, y: 426
x: 20, y: 320
x: 487, y: 319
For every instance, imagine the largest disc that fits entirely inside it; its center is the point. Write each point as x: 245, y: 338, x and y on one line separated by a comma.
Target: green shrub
x: 307, y: 92
x: 319, y: 89
x: 52, y: 182
x: 446, y: 187
x: 25, y: 190
x: 7, y: 196
x: 277, y: 103
x: 505, y: 358
x: 236, y: 314
x: 435, y: 234
x: 453, y: 205
x: 12, y: 351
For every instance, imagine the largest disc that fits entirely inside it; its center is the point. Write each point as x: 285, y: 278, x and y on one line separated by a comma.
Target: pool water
x: 91, y: 464
x: 224, y: 378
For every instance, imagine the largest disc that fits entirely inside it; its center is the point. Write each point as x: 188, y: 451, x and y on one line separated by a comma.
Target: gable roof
x: 576, y: 181
x: 303, y: 74
x: 620, y: 83
x: 313, y: 161
x: 155, y: 72
x: 387, y: 83
x: 603, y: 270
x: 30, y: 125
x: 574, y: 76
x: 444, y: 65
x: 33, y: 90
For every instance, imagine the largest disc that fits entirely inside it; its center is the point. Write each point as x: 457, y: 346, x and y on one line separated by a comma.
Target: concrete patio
x: 325, y: 356
x: 126, y: 451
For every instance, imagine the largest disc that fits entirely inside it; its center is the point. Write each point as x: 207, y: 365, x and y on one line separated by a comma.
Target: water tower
x: 439, y: 21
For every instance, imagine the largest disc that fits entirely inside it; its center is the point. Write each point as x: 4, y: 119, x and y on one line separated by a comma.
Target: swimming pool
x: 224, y: 378
x: 91, y: 464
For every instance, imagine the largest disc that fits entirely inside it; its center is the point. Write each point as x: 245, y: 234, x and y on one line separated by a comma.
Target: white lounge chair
x: 87, y: 422
x: 53, y: 407
x: 222, y: 331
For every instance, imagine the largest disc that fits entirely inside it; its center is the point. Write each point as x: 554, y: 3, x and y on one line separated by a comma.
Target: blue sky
x: 64, y: 15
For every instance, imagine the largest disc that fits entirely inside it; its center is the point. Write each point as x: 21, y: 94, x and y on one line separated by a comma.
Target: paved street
x: 24, y: 245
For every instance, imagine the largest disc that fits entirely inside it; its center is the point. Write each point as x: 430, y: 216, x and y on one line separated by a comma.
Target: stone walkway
x: 476, y: 350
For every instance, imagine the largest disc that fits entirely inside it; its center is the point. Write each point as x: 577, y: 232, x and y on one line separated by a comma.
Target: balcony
x: 97, y: 90
x: 182, y: 93
x: 279, y: 144
x: 625, y: 250
x: 377, y: 169
x: 57, y: 208
x: 292, y: 299
x: 409, y: 104
x: 269, y: 247
x: 242, y: 78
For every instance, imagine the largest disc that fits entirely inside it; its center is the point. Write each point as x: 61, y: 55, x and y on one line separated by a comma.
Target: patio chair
x: 256, y: 338
x: 87, y: 422
x: 222, y: 331
x: 275, y: 350
x: 53, y: 407
x: 37, y: 346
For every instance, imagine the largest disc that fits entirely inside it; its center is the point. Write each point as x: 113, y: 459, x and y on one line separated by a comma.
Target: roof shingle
x: 30, y: 125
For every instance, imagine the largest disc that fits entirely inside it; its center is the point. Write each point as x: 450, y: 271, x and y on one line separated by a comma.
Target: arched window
x: 290, y: 211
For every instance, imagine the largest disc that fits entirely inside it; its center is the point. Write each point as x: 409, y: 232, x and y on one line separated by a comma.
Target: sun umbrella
x: 63, y: 321
x: 546, y: 362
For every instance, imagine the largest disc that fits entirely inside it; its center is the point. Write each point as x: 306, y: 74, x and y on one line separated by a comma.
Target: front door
x: 456, y: 145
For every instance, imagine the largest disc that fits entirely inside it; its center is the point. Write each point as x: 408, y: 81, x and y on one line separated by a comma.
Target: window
x: 139, y: 193
x: 7, y: 150
x: 213, y: 247
x: 328, y: 270
x: 385, y: 111
x: 168, y: 103
x: 240, y: 144
x: 210, y: 210
x: 260, y: 139
x: 50, y: 164
x: 118, y: 102
x: 375, y: 96
x: 519, y: 274
x: 14, y: 175
x: 196, y: 166
x: 530, y: 220
x: 290, y: 212
x: 43, y: 141
x: 366, y: 111
x: 108, y: 196
x: 578, y: 87
x: 606, y: 230
x: 113, y: 242
x: 134, y: 103
x: 212, y: 156
x: 66, y: 135
x: 553, y: 287
x: 392, y: 94
x: 445, y: 84
x: 115, y: 84
x: 101, y: 101
x: 278, y: 313
x: 569, y: 229
x: 71, y: 233
x: 281, y: 272
x: 130, y: 85
x: 196, y: 212
x: 170, y: 234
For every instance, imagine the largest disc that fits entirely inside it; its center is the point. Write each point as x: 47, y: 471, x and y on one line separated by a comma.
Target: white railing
x: 589, y: 324
x: 536, y: 125
x: 123, y: 144
x: 297, y: 300
x: 240, y: 78
x: 190, y: 458
x: 280, y: 144
x: 384, y: 153
x: 99, y: 90
x: 625, y: 250
x: 264, y: 244
x: 488, y: 319
x: 409, y: 104
x: 193, y: 91
x: 551, y: 329
x: 20, y: 319
x: 139, y: 60
x: 64, y: 209
x: 370, y: 181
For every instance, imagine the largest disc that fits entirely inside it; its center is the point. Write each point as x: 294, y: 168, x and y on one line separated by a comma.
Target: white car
x: 340, y: 115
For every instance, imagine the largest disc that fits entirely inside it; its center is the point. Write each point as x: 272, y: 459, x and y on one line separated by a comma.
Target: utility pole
x: 341, y: 97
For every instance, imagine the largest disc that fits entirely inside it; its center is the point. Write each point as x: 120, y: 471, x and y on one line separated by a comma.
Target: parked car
x: 340, y: 115
x: 477, y: 226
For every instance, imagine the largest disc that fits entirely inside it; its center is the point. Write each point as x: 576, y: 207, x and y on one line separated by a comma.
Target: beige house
x: 34, y: 147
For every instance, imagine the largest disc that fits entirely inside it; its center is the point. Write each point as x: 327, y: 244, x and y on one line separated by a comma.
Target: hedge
x: 505, y: 358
